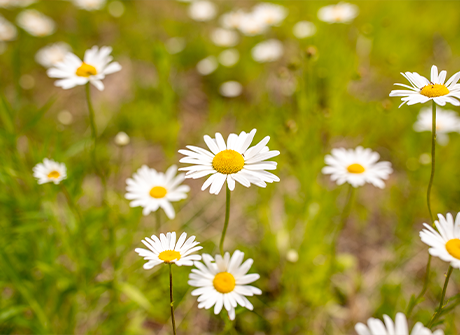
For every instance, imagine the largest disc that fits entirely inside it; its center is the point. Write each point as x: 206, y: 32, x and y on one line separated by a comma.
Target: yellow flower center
x: 54, y: 175
x: 224, y: 282
x: 453, y: 247
x: 356, y: 168
x: 158, y: 192
x: 228, y: 162
x: 434, y: 90
x: 86, y: 70
x: 169, y: 255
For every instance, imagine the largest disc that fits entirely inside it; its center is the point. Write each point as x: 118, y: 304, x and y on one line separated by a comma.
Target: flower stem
x: 227, y: 217
x: 433, y: 159
x: 173, y: 320
x: 414, y: 301
x: 443, y: 295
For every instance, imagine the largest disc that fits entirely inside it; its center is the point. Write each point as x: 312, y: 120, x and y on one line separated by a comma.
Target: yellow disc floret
x: 169, y: 255
x: 224, y: 282
x: 356, y: 168
x: 453, y: 247
x: 158, y: 192
x: 434, y: 90
x: 228, y: 162
x: 54, y: 174
x: 86, y: 70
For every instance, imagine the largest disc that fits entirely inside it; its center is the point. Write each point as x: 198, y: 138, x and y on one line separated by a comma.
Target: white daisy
x: 151, y: 190
x: 269, y: 13
x: 50, y: 171
x: 223, y: 283
x: 202, y: 10
x: 250, y: 25
x: 444, y: 244
x: 122, y: 139
x: 447, y: 121
x: 96, y: 65
x: 231, y: 20
x: 231, y: 89
x: 89, y: 4
x: 231, y: 162
x: 267, y: 51
x: 16, y: 3
x: 340, y: 13
x: 304, y: 29
x: 52, y: 54
x: 229, y: 57
x: 423, y: 90
x: 166, y: 250
x: 207, y: 65
x: 36, y: 23
x: 8, y: 31
x: 357, y: 167
x: 224, y: 37
x: 399, y: 327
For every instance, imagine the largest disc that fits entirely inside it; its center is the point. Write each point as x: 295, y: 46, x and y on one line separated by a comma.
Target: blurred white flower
x: 231, y: 20
x: 207, y: 66
x: 16, y: 3
x: 267, y: 51
x: 292, y: 256
x: 202, y: 10
x: 65, y: 117
x: 447, y: 121
x: 35, y: 23
x: 224, y: 37
x: 73, y: 72
x: 269, y: 13
x: 122, y: 139
x: 8, y: 31
x: 231, y: 89
x: 175, y: 45
x: 340, y: 13
x: 89, y: 4
x: 304, y: 29
x: 250, y: 25
x: 52, y: 54
x: 50, y: 171
x: 229, y: 57
x: 116, y: 8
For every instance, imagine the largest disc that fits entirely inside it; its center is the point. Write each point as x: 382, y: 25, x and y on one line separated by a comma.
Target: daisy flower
x: 52, y: 54
x: 223, y: 282
x: 340, y: 13
x: 444, y: 244
x: 423, y: 90
x: 357, y: 167
x: 36, y: 23
x: 166, y: 250
x: 8, y: 31
x: 224, y: 37
x: 231, y: 161
x: 270, y: 14
x: 96, y: 65
x: 202, y: 10
x: 89, y: 4
x: 447, y: 121
x: 50, y: 171
x: 399, y: 327
x: 151, y: 190
x: 267, y: 51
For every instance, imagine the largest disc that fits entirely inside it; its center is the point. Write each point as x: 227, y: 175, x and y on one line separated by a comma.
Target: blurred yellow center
x: 228, y: 162
x: 169, y: 255
x: 434, y: 90
x: 356, y: 168
x: 158, y: 192
x: 224, y: 282
x: 453, y: 247
x: 54, y: 175
x: 86, y: 70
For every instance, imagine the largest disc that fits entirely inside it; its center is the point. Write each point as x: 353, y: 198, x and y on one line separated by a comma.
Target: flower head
x: 447, y: 121
x: 50, y: 171
x: 304, y: 29
x: 444, y: 243
x: 89, y: 4
x: 231, y: 161
x: 224, y: 37
x: 52, y: 54
x: 96, y: 65
x: 270, y: 14
x: 151, y: 190
x: 357, y: 167
x: 340, y: 13
x: 202, y: 10
x: 267, y: 51
x: 223, y: 282
x: 16, y: 3
x: 36, y: 23
x: 166, y: 250
x: 8, y: 31
x: 424, y: 90
x: 399, y: 327
x: 250, y: 25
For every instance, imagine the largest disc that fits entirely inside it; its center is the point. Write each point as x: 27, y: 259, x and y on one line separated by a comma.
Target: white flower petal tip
x: 50, y: 171
x: 230, y: 161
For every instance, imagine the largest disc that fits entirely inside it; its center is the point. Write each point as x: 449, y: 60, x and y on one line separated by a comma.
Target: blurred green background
x: 53, y: 280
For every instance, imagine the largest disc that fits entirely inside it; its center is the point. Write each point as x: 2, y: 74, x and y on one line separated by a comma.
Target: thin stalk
x: 443, y: 295
x: 72, y: 205
x: 173, y: 320
x: 433, y: 159
x: 227, y: 218
x: 413, y: 302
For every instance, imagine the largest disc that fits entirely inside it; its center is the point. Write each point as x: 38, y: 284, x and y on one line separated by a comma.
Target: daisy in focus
x: 399, y: 327
x: 151, y: 190
x: 96, y: 65
x: 50, y: 171
x: 36, y: 23
x: 444, y: 243
x: 166, y: 250
x: 447, y: 121
x: 340, y: 13
x: 52, y: 54
x: 357, y: 167
x: 424, y: 90
x: 223, y: 282
x: 231, y: 162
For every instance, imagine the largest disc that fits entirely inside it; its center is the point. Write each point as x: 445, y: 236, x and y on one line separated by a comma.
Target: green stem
x: 72, y: 204
x: 443, y: 295
x: 413, y: 302
x: 433, y: 159
x: 227, y: 218
x: 173, y: 320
